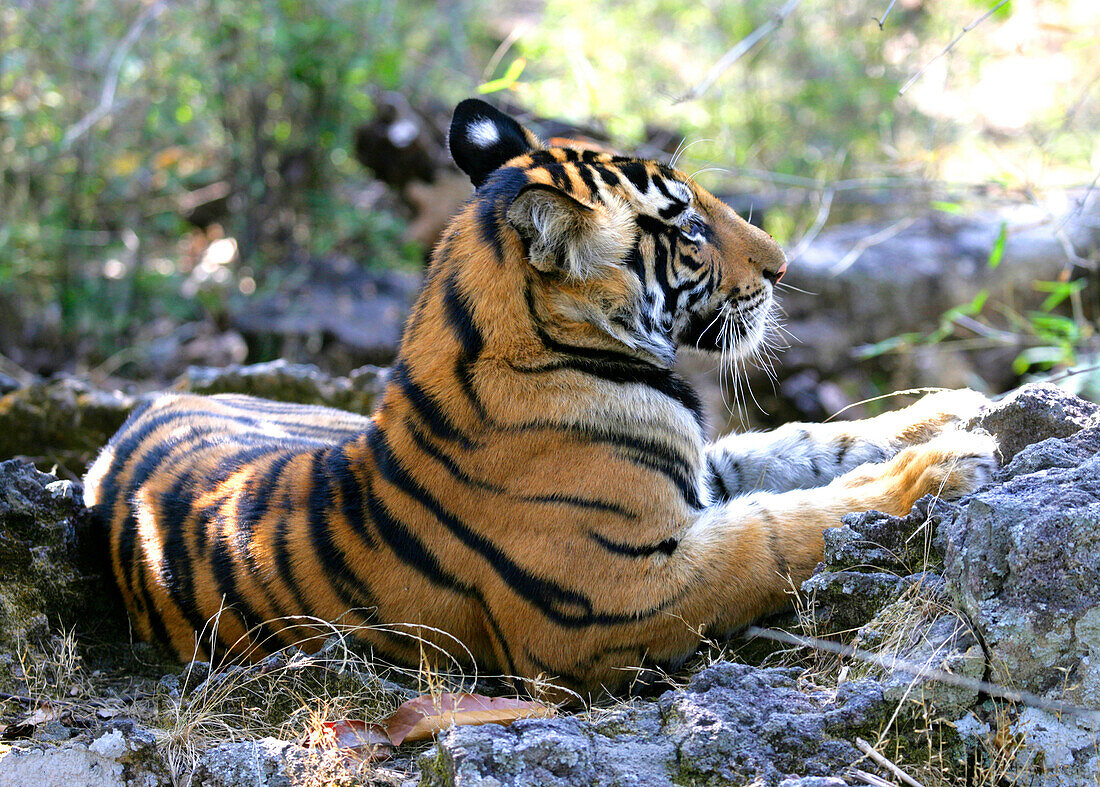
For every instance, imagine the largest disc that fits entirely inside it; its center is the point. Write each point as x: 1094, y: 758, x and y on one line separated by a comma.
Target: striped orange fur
x: 536, y: 481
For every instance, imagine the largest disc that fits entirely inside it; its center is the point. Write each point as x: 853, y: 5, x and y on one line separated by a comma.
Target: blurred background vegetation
x: 122, y: 121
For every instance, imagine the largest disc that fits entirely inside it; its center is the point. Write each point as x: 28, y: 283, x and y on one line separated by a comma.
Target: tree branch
x: 950, y: 46
x: 739, y: 50
x: 110, y: 83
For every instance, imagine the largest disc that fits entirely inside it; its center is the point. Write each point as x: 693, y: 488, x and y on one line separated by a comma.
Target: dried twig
x: 881, y: 22
x: 110, y: 84
x: 895, y: 664
x: 878, y: 757
x: 870, y: 241
x: 739, y: 50
x: 950, y: 46
x: 869, y: 778
x: 1072, y: 373
x: 815, y: 228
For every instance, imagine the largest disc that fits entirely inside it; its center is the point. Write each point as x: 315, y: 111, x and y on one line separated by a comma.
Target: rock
x: 732, y: 724
x: 1022, y: 559
x: 39, y: 578
x: 347, y: 313
x: 1055, y: 752
x: 918, y: 270
x: 123, y: 756
x: 1033, y: 413
x: 871, y: 560
x: 920, y: 630
x: 897, y: 544
x: 66, y: 421
x: 845, y: 600
x: 61, y: 418
x: 287, y: 382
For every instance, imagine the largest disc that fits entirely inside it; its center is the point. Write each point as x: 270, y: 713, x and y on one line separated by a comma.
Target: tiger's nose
x: 775, y: 275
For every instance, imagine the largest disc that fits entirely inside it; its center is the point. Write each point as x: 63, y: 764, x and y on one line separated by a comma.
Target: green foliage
x: 258, y: 99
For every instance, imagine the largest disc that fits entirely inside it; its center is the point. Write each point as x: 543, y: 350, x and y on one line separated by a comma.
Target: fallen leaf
x: 369, y: 741
x: 422, y: 717
x: 43, y: 714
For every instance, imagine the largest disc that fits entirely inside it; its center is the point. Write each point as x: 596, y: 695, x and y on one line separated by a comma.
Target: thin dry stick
x: 881, y: 22
x: 739, y: 50
x: 895, y: 664
x: 110, y: 84
x: 950, y: 46
x: 869, y: 778
x: 878, y: 757
x: 1072, y: 373
x: 870, y: 241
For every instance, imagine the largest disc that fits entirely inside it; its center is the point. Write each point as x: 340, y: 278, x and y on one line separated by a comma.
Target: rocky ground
x: 969, y: 631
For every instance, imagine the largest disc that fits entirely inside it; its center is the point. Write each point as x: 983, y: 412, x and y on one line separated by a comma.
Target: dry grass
x: 292, y: 695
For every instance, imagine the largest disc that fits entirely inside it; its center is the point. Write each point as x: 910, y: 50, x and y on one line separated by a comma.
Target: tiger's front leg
x: 802, y: 456
x: 737, y: 561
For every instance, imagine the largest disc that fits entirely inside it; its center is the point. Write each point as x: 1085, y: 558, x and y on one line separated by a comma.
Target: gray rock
x: 261, y: 763
x: 915, y: 272
x: 290, y: 382
x: 877, y: 541
x: 123, y: 756
x: 1033, y: 413
x: 39, y: 577
x: 922, y: 632
x: 732, y: 724
x: 61, y: 418
x: 335, y: 301
x: 1022, y: 559
x: 1056, y: 752
x: 845, y: 600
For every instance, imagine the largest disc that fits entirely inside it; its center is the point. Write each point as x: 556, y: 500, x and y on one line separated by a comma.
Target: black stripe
x: 720, y: 491
x: 413, y: 552
x: 348, y: 587
x: 457, y: 313
x: 608, y: 176
x: 491, y: 198
x: 580, y: 502
x: 564, y: 606
x: 449, y: 464
x: 844, y: 443
x: 668, y: 546
x: 636, y: 173
x: 351, y: 494
x: 437, y: 421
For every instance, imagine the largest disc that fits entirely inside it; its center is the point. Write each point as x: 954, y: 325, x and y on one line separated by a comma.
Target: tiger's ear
x: 482, y: 138
x: 566, y: 236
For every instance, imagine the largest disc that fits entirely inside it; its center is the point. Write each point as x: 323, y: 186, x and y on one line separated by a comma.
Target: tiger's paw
x: 937, y: 412
x: 950, y: 466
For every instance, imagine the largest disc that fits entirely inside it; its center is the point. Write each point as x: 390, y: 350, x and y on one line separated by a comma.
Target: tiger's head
x: 614, y: 253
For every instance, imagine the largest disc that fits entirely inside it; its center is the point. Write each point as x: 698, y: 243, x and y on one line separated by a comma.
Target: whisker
x: 791, y: 287
x: 681, y: 149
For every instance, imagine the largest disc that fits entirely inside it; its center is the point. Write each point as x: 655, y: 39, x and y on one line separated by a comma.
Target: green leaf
x: 511, y: 76
x: 997, y: 253
x: 886, y: 345
x: 1059, y: 291
x: 954, y: 208
x: 1054, y: 326
x: 1038, y: 356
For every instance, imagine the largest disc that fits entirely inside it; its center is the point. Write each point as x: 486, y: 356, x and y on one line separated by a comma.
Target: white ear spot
x: 482, y: 133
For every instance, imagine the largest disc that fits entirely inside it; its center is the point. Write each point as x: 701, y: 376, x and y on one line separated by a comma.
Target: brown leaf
x: 368, y: 741
x: 43, y: 714
x: 422, y: 717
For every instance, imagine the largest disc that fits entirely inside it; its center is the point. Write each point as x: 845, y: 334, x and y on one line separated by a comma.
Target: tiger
x: 536, y: 482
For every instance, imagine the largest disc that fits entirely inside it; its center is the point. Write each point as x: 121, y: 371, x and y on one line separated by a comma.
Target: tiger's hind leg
x: 802, y: 456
